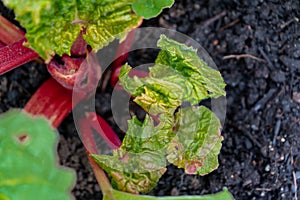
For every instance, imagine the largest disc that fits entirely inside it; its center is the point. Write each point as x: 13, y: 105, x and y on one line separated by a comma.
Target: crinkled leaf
x: 133, y: 173
x: 178, y: 75
x: 198, y: 80
x: 223, y: 195
x: 150, y: 8
x: 198, y: 141
x: 154, y: 95
x: 140, y: 161
x: 189, y: 139
x: 144, y: 136
x: 53, y: 25
x: 28, y: 167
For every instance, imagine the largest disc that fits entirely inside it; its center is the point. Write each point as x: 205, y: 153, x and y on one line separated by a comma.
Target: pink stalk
x: 9, y: 32
x: 51, y: 100
x: 94, y: 121
x: 14, y: 55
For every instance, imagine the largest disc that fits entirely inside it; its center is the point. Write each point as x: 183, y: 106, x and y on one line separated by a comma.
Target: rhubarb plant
x: 66, y: 34
x: 188, y: 137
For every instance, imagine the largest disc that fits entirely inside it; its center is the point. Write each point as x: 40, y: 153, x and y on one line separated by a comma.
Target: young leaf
x: 139, y: 163
x: 189, y: 139
x: 53, y: 26
x: 178, y: 75
x: 223, y: 195
x: 133, y: 173
x: 154, y: 95
x: 28, y: 167
x: 198, y: 141
x: 198, y: 80
x: 144, y: 136
x: 150, y: 8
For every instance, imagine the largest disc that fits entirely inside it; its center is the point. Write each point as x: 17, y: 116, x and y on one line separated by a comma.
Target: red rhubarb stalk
x: 9, y: 33
x: 55, y: 102
x: 51, y: 100
x: 14, y: 55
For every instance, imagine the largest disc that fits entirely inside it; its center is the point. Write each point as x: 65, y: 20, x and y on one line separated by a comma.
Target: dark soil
x: 260, y: 157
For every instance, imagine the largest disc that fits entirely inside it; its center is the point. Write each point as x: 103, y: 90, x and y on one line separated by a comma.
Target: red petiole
x: 9, y: 32
x: 14, y: 55
x: 12, y: 51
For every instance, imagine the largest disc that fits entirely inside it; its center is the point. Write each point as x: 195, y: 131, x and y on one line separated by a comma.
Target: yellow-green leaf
x: 52, y: 26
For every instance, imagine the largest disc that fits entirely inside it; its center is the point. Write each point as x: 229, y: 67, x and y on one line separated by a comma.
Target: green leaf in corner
x: 28, y: 167
x: 223, y: 195
x: 150, y: 8
x: 198, y: 141
x: 53, y: 25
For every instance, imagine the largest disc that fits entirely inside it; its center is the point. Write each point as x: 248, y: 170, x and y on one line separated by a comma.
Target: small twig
x: 276, y: 131
x: 265, y: 99
x: 295, y: 185
x: 295, y: 19
x: 294, y: 176
x: 213, y: 19
x: 263, y: 189
x: 234, y: 22
x: 244, y: 56
x: 265, y: 57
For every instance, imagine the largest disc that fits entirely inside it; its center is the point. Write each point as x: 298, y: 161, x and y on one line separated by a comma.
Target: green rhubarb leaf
x: 198, y: 80
x: 28, y: 167
x: 144, y: 136
x: 198, y: 141
x: 133, y: 173
x: 140, y: 161
x: 118, y: 195
x: 178, y: 75
x: 150, y: 8
x: 53, y: 25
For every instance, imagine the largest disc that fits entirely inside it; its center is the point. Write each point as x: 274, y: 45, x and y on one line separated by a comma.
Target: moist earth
x: 256, y: 46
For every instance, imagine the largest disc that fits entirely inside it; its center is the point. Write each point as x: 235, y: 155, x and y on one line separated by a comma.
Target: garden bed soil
x: 260, y: 157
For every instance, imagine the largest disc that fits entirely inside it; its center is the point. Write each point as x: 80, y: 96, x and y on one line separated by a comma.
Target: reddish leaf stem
x: 79, y: 47
x: 101, y: 178
x: 51, y: 100
x: 14, y: 55
x: 9, y: 33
